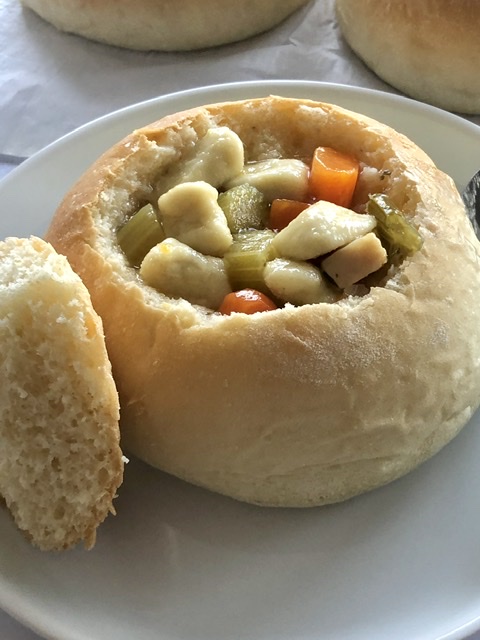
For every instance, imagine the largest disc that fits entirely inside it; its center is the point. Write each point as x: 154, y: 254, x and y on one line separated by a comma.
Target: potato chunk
x: 297, y: 282
x: 275, y: 178
x: 355, y: 261
x: 178, y: 271
x: 190, y: 213
x: 319, y: 229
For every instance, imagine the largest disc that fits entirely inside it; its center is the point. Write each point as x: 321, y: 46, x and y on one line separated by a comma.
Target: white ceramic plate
x: 180, y: 563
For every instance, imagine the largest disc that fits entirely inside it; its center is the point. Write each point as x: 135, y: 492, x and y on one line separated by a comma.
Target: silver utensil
x: 471, y: 198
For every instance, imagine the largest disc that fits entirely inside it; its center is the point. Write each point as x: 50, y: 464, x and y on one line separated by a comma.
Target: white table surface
x: 52, y: 83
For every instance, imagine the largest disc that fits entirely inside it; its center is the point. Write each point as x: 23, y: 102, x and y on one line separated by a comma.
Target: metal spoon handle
x: 471, y: 198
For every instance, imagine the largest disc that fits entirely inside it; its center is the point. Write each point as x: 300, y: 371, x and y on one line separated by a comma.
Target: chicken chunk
x: 297, y: 282
x: 355, y: 261
x: 319, y: 229
x: 275, y: 178
x: 190, y: 213
x: 178, y: 271
x: 216, y: 158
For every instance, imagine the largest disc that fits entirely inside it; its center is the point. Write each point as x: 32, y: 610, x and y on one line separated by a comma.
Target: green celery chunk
x: 246, y: 259
x: 395, y: 231
x: 139, y: 234
x: 245, y: 207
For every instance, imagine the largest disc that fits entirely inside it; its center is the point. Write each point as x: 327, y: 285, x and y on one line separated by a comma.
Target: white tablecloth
x: 51, y: 83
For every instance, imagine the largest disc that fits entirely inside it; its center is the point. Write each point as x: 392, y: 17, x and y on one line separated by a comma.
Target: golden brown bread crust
x: 428, y: 49
x: 300, y: 406
x: 164, y: 25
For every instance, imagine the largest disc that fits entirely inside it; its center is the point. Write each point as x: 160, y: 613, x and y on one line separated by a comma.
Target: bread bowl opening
x: 227, y: 215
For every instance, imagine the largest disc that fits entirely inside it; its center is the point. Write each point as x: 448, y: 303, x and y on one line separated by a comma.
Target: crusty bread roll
x: 304, y: 405
x: 428, y: 49
x: 164, y: 25
x: 61, y: 463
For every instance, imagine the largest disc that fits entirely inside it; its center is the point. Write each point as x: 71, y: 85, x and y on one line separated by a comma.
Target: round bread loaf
x: 303, y: 405
x: 164, y: 25
x: 429, y: 49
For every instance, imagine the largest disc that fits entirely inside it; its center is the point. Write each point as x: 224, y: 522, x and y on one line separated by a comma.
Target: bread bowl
x: 428, y: 50
x: 303, y: 405
x: 164, y: 25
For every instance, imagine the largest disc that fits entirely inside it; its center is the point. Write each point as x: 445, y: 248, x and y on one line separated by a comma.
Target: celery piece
x: 139, y: 234
x: 246, y: 259
x: 244, y: 207
x: 395, y: 231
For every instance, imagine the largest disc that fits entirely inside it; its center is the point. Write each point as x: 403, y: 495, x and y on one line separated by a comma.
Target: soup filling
x: 247, y: 237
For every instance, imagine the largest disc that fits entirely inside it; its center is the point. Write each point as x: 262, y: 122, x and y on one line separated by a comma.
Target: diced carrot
x: 246, y: 301
x: 283, y: 211
x: 333, y: 176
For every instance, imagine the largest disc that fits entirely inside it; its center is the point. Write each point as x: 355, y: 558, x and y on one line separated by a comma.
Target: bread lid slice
x: 61, y: 462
